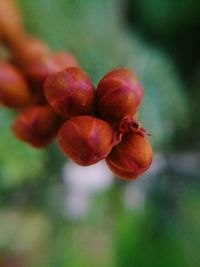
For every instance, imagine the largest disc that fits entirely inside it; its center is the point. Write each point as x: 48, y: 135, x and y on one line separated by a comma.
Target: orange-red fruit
x: 119, y: 93
x: 28, y: 50
x: 70, y: 92
x: 39, y: 69
x: 11, y: 23
x: 65, y: 59
x: 86, y: 139
x: 14, y: 91
x: 131, y: 157
x: 36, y: 125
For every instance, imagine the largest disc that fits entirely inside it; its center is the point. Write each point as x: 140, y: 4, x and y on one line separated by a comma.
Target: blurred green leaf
x: 19, y: 163
x: 166, y: 17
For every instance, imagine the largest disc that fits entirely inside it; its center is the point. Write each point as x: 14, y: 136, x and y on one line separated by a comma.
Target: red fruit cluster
x: 90, y: 124
x: 55, y: 97
x: 101, y: 124
x: 21, y: 87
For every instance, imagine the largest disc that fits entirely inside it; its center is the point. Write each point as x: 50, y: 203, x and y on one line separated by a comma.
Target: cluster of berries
x: 56, y: 98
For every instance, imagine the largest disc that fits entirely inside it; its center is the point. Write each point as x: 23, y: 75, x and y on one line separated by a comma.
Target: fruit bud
x: 28, y: 50
x: 11, y: 23
x: 70, y: 92
x: 36, y: 125
x: 131, y: 157
x: 119, y: 94
x: 38, y: 70
x: 14, y: 91
x: 65, y: 59
x: 86, y: 139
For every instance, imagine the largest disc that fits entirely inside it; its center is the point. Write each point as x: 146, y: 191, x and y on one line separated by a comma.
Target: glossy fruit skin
x: 70, y: 93
x: 39, y: 69
x: 119, y: 93
x: 36, y: 125
x: 86, y: 139
x: 131, y: 157
x: 14, y: 90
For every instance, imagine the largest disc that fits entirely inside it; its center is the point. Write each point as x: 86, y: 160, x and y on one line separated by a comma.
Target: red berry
x: 39, y: 69
x: 131, y: 157
x: 14, y: 91
x: 36, y: 126
x: 65, y: 59
x: 70, y: 92
x: 11, y: 24
x: 119, y: 94
x: 86, y: 139
x: 28, y: 50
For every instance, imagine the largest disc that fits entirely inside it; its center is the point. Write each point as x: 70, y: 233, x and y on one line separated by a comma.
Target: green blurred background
x: 55, y: 214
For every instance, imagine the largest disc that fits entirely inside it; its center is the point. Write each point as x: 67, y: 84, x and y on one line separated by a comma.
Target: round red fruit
x: 86, y: 139
x: 119, y: 94
x: 70, y: 92
x: 131, y: 157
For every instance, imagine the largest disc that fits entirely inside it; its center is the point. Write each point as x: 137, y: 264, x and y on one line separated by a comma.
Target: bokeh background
x: 54, y: 213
